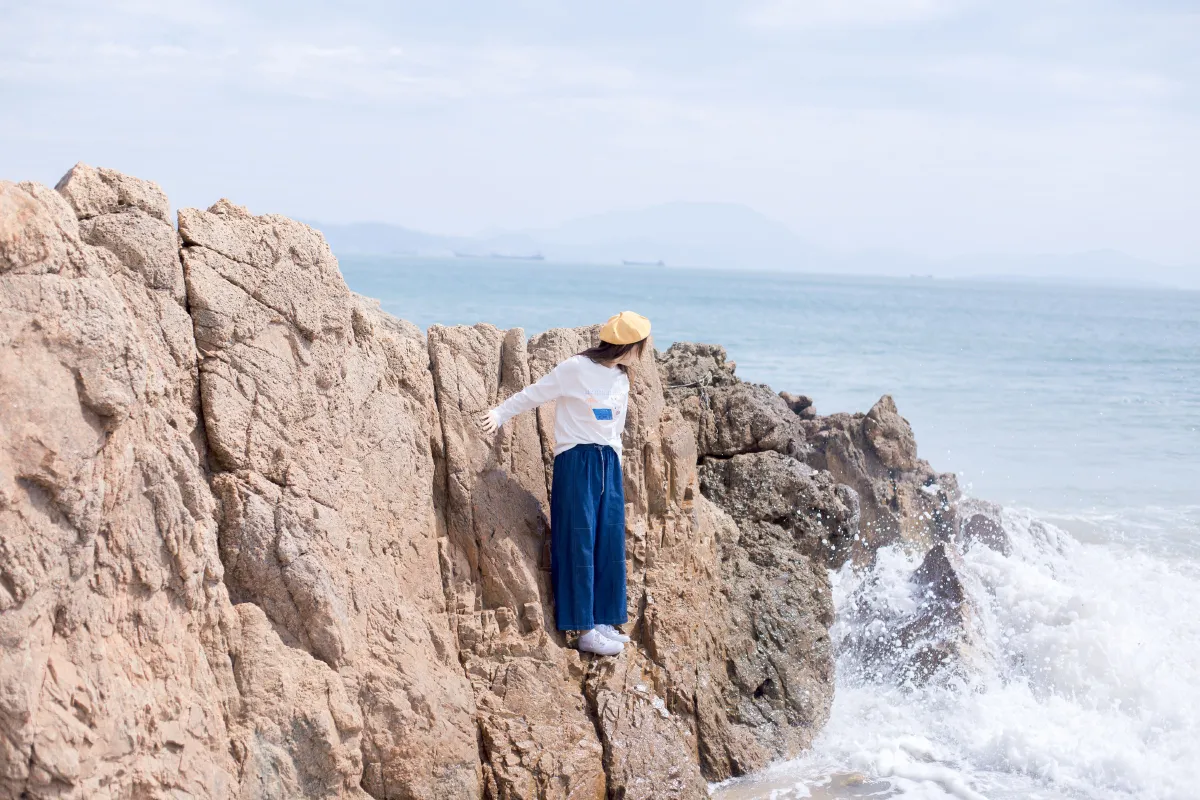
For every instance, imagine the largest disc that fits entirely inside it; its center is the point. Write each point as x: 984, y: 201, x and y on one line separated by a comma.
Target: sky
x: 933, y: 127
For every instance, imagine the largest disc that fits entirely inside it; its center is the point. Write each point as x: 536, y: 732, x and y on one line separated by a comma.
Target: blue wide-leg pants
x: 587, y: 538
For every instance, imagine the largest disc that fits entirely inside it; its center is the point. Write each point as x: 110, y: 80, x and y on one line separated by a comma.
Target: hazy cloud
x: 939, y: 126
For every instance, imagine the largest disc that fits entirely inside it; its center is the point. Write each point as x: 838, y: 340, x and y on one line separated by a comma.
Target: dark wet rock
x: 800, y: 404
x: 804, y: 504
x: 981, y: 523
x: 903, y: 500
x: 943, y: 632
x: 728, y: 415
x: 939, y: 634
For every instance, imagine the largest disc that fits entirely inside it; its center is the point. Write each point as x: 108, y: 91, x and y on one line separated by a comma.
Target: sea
x: 1075, y: 407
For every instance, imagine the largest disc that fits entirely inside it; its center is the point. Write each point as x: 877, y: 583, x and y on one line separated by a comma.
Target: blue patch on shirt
x: 602, y: 413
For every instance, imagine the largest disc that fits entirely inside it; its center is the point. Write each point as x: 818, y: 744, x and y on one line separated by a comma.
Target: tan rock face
x: 319, y: 415
x: 121, y: 670
x: 254, y: 544
x: 627, y: 726
x: 706, y: 693
x: 93, y: 192
x: 107, y: 560
x: 537, y: 737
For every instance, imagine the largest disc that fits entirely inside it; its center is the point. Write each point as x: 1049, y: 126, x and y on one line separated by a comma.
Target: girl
x: 587, y: 498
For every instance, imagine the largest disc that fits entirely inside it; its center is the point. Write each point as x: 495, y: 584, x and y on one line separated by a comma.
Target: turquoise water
x: 1076, y: 408
x: 1067, y: 399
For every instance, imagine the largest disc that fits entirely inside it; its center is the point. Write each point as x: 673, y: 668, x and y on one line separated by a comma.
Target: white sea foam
x: 1088, y: 686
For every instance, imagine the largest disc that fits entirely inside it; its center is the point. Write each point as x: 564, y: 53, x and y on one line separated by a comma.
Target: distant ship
x: 659, y: 263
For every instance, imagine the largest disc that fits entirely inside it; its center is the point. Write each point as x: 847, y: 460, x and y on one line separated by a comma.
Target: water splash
x: 1083, y: 683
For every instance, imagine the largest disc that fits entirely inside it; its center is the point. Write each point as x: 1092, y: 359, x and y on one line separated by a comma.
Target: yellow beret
x: 625, y: 328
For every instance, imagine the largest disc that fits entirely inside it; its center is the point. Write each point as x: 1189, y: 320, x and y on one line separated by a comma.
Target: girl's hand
x: 487, y: 422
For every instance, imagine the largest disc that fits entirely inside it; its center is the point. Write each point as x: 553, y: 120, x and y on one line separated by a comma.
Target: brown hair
x: 606, y: 352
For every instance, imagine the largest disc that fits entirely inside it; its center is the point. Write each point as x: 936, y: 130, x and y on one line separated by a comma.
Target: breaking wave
x: 1081, y: 677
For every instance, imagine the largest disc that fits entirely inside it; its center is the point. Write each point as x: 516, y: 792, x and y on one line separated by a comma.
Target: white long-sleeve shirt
x: 592, y: 400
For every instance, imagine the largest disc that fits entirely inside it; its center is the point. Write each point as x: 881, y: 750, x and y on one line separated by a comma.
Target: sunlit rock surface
x: 254, y: 545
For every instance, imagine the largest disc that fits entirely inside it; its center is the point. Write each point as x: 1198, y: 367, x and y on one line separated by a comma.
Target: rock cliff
x: 252, y: 544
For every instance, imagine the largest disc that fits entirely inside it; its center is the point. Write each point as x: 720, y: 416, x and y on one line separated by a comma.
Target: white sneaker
x: 609, y: 632
x: 595, y: 642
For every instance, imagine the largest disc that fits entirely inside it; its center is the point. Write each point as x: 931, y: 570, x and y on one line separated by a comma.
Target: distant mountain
x: 698, y: 234
x: 733, y: 236
x: 680, y: 234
